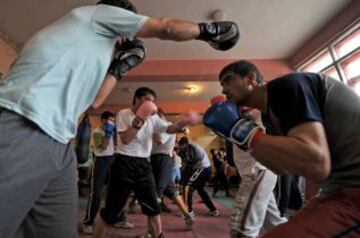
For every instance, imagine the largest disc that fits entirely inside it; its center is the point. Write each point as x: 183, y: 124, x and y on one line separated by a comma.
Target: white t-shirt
x: 166, y: 146
x: 141, y: 145
x: 58, y: 73
x: 244, y: 162
x: 109, y: 150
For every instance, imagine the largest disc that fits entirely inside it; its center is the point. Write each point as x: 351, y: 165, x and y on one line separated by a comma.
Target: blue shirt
x: 57, y: 75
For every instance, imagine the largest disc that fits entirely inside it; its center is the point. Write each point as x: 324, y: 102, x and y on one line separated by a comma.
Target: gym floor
x: 173, y: 225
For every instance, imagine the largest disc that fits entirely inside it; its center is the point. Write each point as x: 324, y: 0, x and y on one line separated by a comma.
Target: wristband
x: 137, y: 123
x: 258, y: 136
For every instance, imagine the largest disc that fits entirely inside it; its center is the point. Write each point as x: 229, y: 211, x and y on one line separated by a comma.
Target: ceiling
x: 169, y: 91
x: 270, y: 29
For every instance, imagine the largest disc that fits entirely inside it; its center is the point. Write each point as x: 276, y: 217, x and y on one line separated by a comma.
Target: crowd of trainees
x: 166, y: 159
x: 311, y: 122
x: 143, y: 163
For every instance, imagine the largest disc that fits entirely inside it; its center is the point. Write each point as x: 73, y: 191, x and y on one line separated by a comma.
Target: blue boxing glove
x: 225, y: 120
x: 109, y: 127
x: 221, y: 117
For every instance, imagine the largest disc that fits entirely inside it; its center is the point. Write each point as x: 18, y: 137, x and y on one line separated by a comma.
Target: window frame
x: 330, y: 48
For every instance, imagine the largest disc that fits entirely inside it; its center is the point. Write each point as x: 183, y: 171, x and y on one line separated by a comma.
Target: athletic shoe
x: 214, y: 213
x: 191, y: 214
x: 87, y: 229
x: 124, y: 225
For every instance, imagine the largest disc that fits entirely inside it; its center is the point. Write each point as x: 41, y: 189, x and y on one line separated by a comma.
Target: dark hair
x: 242, y: 68
x: 183, y: 141
x: 106, y: 115
x: 120, y: 3
x: 143, y: 91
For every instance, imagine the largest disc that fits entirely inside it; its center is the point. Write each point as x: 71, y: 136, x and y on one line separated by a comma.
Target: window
x: 332, y: 73
x: 322, y: 62
x: 340, y: 59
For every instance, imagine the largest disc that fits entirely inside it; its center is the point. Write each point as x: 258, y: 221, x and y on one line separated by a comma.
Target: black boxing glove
x: 127, y: 56
x: 222, y: 35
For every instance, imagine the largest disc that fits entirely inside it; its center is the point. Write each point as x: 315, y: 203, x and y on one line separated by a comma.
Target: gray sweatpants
x: 255, y: 205
x: 38, y: 194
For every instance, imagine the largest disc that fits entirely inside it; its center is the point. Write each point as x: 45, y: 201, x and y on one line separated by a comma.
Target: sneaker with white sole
x: 124, y: 225
x: 192, y: 214
x: 214, y: 213
x: 87, y: 229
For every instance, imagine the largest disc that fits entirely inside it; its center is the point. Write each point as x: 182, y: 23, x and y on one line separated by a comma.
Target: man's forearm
x: 128, y: 135
x: 173, y: 129
x: 106, y: 88
x: 169, y: 29
x: 281, y: 154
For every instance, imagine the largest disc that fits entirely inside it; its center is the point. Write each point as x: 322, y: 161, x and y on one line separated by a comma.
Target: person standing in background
x: 162, y: 165
x: 220, y: 177
x: 104, y: 149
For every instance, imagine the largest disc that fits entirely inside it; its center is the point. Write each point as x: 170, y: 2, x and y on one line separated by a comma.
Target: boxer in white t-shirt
x: 131, y: 169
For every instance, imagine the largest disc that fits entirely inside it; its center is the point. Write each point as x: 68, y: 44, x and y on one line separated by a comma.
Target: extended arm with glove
x: 189, y: 118
x: 127, y: 56
x: 222, y: 35
x: 225, y: 120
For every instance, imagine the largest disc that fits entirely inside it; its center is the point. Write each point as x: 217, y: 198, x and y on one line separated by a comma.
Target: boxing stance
x: 104, y: 148
x: 201, y: 173
x: 57, y: 76
x: 162, y: 165
x: 131, y: 169
x: 310, y: 118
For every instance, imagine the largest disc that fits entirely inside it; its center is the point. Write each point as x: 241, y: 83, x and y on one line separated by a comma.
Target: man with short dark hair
x: 312, y: 122
x: 131, y: 169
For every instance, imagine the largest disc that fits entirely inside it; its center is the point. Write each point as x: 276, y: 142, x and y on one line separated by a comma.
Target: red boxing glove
x: 218, y: 98
x: 146, y: 110
x: 190, y: 118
